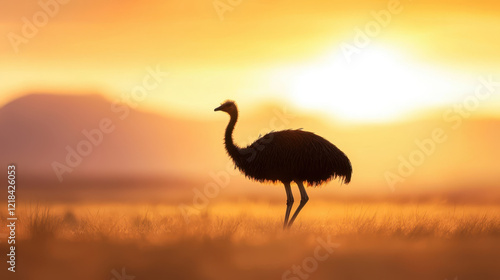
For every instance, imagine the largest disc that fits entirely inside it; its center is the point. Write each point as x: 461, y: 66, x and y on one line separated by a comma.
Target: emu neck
x: 231, y: 148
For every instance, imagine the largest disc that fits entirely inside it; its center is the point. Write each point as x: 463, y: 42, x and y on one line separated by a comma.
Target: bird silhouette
x: 287, y: 156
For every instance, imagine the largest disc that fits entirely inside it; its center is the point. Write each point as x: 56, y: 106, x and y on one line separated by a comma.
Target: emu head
x: 228, y: 106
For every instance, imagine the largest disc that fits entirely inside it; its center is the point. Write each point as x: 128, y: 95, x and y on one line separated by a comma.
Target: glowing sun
x: 379, y: 84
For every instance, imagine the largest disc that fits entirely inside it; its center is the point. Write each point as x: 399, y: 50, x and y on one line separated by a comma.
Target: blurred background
x: 106, y: 110
x: 98, y: 96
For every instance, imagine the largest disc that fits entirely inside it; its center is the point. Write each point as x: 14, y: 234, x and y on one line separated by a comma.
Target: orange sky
x: 428, y: 58
x: 262, y: 50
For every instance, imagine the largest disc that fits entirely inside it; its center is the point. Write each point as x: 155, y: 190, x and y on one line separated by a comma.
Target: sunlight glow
x: 379, y: 84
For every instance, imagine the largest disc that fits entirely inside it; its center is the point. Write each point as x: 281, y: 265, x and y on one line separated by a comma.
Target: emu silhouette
x: 287, y: 156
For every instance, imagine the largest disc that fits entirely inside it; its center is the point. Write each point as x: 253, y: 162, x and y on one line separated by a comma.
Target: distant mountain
x: 40, y: 130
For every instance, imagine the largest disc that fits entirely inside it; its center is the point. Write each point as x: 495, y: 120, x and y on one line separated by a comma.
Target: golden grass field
x: 246, y: 241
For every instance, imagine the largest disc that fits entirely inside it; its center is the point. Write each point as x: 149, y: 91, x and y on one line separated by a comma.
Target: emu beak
x: 217, y: 109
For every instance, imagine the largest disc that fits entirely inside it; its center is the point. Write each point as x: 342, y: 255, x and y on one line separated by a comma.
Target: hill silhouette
x: 41, y: 127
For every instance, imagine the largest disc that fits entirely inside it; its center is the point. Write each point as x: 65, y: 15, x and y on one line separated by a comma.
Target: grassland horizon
x: 244, y: 240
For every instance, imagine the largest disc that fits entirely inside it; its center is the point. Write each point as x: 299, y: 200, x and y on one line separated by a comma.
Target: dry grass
x: 249, y: 220
x: 245, y: 241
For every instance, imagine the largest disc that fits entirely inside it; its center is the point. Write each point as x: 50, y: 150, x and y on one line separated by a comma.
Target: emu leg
x: 303, y: 200
x: 289, y: 203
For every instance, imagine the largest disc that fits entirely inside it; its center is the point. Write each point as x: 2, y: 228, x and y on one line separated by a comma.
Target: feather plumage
x: 286, y: 156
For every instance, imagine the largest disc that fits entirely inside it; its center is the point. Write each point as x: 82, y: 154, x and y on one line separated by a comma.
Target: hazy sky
x: 360, y: 60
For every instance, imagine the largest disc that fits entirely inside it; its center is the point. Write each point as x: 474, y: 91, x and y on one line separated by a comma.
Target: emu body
x: 287, y: 156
